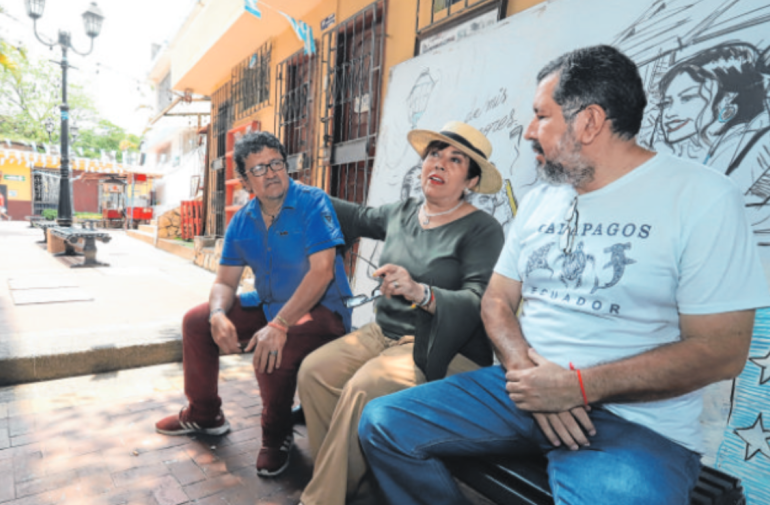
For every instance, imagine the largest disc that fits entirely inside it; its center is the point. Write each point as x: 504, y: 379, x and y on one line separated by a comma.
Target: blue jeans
x: 405, y: 434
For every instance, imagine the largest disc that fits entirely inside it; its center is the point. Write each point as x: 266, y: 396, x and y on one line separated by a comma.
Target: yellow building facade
x: 325, y: 106
x: 17, y: 180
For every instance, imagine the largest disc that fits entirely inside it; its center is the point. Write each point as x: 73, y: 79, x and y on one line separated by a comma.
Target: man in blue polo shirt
x: 290, y: 237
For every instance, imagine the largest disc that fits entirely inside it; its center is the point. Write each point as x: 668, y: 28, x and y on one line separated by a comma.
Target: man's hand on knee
x: 571, y: 428
x: 546, y: 387
x: 268, y: 349
x: 224, y: 334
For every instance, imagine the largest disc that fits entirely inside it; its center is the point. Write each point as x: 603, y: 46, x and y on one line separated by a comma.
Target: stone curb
x: 24, y: 369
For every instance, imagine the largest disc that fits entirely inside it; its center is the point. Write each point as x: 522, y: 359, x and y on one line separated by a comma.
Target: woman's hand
x: 396, y: 281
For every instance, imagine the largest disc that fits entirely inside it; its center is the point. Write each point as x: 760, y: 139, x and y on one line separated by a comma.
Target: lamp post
x: 92, y: 20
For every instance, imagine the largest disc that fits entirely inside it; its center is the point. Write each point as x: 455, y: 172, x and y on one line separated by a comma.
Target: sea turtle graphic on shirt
x: 574, y: 264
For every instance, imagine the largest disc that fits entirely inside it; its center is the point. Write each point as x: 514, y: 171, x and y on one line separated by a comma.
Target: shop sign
x: 328, y: 21
x: 20, y: 178
x: 458, y: 32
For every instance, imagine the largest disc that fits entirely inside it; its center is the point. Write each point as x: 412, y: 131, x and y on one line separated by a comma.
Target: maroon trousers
x: 201, y: 362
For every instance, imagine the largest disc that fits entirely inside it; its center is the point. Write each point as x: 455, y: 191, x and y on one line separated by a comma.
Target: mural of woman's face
x: 686, y: 108
x: 411, y: 185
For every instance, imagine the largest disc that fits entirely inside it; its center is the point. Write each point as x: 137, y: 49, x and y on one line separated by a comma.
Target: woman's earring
x: 727, y: 113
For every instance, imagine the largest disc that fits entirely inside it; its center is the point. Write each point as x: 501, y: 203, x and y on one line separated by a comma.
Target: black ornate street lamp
x: 92, y: 20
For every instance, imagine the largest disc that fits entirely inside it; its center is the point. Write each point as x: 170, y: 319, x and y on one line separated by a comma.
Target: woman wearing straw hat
x: 435, y: 264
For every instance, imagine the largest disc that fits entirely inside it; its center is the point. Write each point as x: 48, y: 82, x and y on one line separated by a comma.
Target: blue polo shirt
x: 279, y: 256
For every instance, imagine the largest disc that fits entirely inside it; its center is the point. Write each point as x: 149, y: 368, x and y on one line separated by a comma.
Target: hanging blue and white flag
x: 251, y: 6
x: 304, y: 32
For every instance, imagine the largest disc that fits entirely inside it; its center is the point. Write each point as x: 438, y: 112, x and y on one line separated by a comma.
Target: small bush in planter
x: 50, y: 214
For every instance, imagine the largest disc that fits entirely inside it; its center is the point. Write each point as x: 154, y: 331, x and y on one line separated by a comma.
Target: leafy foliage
x: 9, y: 55
x: 105, y: 136
x: 32, y: 93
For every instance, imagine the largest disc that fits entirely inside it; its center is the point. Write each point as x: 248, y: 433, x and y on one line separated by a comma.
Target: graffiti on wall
x: 706, y: 69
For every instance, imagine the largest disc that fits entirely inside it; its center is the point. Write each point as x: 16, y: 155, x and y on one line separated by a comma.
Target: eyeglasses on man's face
x: 259, y: 170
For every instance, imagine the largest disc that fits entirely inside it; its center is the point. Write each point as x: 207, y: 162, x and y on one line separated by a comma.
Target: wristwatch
x: 214, y: 312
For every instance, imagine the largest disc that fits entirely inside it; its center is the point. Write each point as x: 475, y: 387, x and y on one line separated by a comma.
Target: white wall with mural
x: 706, y: 68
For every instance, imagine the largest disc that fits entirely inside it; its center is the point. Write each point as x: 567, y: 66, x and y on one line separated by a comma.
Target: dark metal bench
x: 44, y: 225
x: 90, y: 224
x: 523, y: 481
x: 33, y: 219
x: 83, y: 239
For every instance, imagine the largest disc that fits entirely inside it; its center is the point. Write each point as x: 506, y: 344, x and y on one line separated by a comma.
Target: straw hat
x: 471, y: 142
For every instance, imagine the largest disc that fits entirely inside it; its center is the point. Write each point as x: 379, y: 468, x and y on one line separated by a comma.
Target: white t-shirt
x: 669, y: 237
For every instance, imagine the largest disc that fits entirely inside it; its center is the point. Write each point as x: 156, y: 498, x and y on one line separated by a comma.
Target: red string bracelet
x: 580, y: 380
x: 279, y: 327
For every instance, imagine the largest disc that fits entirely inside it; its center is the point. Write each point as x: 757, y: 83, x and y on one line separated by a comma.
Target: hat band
x: 461, y: 139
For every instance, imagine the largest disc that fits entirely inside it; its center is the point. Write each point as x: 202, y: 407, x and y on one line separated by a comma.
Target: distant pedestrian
x: 3, y: 211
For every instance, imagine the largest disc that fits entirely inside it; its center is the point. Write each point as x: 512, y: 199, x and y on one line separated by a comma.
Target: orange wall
x: 399, y: 43
x: 515, y: 6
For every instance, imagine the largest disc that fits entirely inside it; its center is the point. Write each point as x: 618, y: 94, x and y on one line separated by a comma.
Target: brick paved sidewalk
x: 91, y: 440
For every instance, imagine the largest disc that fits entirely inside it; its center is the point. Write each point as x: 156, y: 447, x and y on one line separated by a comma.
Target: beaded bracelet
x: 279, y: 327
x: 580, y: 380
x: 427, y: 297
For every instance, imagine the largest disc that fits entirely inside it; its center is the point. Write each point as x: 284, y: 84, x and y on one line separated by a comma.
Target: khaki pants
x: 336, y: 382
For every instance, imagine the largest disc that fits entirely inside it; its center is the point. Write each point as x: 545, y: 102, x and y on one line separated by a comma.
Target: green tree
x: 105, y: 136
x: 9, y: 55
x: 33, y: 93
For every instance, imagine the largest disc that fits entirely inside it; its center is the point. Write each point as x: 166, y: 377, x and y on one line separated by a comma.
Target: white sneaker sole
x: 196, y: 430
x: 267, y: 473
x: 275, y: 473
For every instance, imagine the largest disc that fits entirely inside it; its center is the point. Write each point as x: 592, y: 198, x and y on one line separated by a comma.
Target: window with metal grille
x: 442, y: 21
x: 218, y: 203
x: 251, y: 82
x: 294, y: 111
x: 221, y: 118
x: 222, y: 121
x: 352, y: 55
x: 351, y: 67
x: 45, y: 190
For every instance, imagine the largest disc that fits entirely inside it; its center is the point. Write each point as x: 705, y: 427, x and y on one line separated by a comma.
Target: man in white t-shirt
x: 639, y: 277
